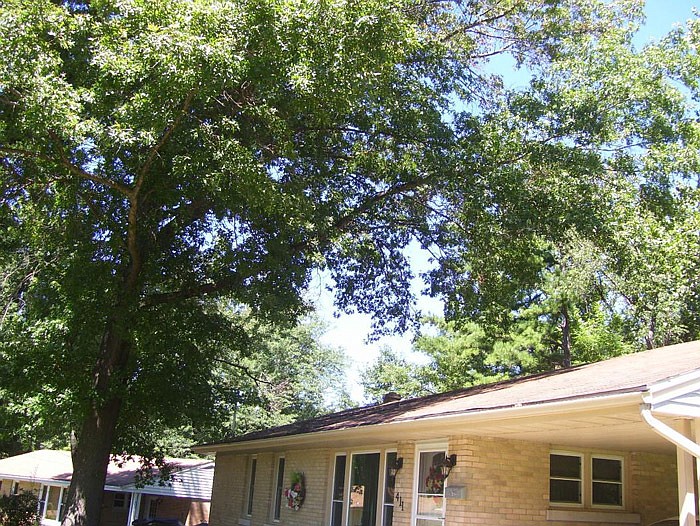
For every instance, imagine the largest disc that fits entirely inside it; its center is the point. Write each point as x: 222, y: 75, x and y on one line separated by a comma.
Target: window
x: 389, y: 487
x: 588, y: 480
x: 119, y: 500
x: 565, y: 478
x: 251, y: 486
x: 363, y: 489
x: 338, y: 491
x: 607, y: 481
x: 430, y: 487
x: 42, y: 500
x: 15, y: 488
x: 279, y: 488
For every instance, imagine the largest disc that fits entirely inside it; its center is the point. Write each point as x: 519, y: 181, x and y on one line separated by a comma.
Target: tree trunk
x: 650, y: 337
x: 565, y: 338
x: 93, y: 446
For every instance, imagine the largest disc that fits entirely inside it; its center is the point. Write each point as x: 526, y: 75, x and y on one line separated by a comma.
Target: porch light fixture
x: 448, y: 463
x: 396, y: 466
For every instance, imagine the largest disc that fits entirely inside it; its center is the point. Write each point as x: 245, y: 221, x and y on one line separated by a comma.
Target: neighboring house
x: 608, y: 443
x: 48, y: 473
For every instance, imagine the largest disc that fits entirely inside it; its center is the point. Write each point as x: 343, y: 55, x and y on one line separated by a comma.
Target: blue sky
x: 350, y: 332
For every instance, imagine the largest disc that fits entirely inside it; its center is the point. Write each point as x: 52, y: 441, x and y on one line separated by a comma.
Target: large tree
x: 582, y: 211
x: 555, y: 271
x: 159, y: 155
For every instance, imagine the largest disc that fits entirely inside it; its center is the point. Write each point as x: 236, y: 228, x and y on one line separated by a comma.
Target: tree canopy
x: 162, y: 158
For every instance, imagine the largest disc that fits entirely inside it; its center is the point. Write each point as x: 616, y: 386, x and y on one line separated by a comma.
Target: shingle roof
x: 624, y: 374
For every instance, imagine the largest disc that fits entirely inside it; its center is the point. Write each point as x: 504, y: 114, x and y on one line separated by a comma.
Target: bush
x: 19, y: 510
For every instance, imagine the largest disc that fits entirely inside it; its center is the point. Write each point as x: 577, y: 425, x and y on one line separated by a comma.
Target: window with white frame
x: 251, y: 486
x: 606, y: 474
x: 338, y: 492
x: 389, y: 489
x: 363, y: 489
x: 566, y: 478
x: 586, y: 480
x: 279, y: 490
x: 119, y: 500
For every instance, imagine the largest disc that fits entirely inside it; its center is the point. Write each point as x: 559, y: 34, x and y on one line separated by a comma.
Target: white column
x: 134, y: 506
x: 696, y: 437
x: 686, y: 480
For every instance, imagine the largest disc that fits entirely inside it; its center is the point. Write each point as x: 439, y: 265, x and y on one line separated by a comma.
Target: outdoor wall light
x: 394, y: 469
x: 449, y: 463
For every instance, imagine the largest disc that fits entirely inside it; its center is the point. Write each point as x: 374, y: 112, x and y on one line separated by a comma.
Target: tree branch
x: 344, y: 221
x: 184, y: 216
x: 224, y: 285
x: 132, y: 240
x: 477, y: 23
x: 167, y: 133
x: 65, y: 162
x: 245, y: 370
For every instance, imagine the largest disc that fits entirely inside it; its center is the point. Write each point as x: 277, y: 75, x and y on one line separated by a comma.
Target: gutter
x: 668, y: 432
x: 430, y: 425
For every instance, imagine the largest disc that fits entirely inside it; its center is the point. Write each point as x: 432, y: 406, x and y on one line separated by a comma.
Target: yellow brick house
x: 606, y: 444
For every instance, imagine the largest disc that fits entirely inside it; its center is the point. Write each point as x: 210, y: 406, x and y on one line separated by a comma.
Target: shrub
x: 19, y: 510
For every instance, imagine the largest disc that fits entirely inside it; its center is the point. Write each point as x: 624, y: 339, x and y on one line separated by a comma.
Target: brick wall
x: 317, y: 469
x: 198, y: 512
x: 654, y: 490
x: 506, y: 481
x: 172, y: 508
x: 230, y: 492
x: 404, y: 484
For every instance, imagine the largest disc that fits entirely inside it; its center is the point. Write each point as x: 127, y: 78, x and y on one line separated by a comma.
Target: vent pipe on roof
x: 391, y: 396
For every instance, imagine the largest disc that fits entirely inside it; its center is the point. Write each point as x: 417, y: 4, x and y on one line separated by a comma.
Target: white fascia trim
x: 669, y: 433
x: 119, y: 489
x: 161, y: 492
x: 34, y: 480
x: 674, y: 387
x: 472, y: 416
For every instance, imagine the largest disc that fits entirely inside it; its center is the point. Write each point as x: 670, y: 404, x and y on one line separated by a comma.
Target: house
x: 48, y: 473
x: 609, y: 443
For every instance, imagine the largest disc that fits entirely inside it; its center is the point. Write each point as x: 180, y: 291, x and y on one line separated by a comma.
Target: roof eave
x: 386, y: 432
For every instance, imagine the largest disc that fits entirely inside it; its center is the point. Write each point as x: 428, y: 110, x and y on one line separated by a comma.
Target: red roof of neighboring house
x: 45, y: 465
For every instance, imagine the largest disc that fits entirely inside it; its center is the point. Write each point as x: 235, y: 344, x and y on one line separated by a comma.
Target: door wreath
x: 296, y: 492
